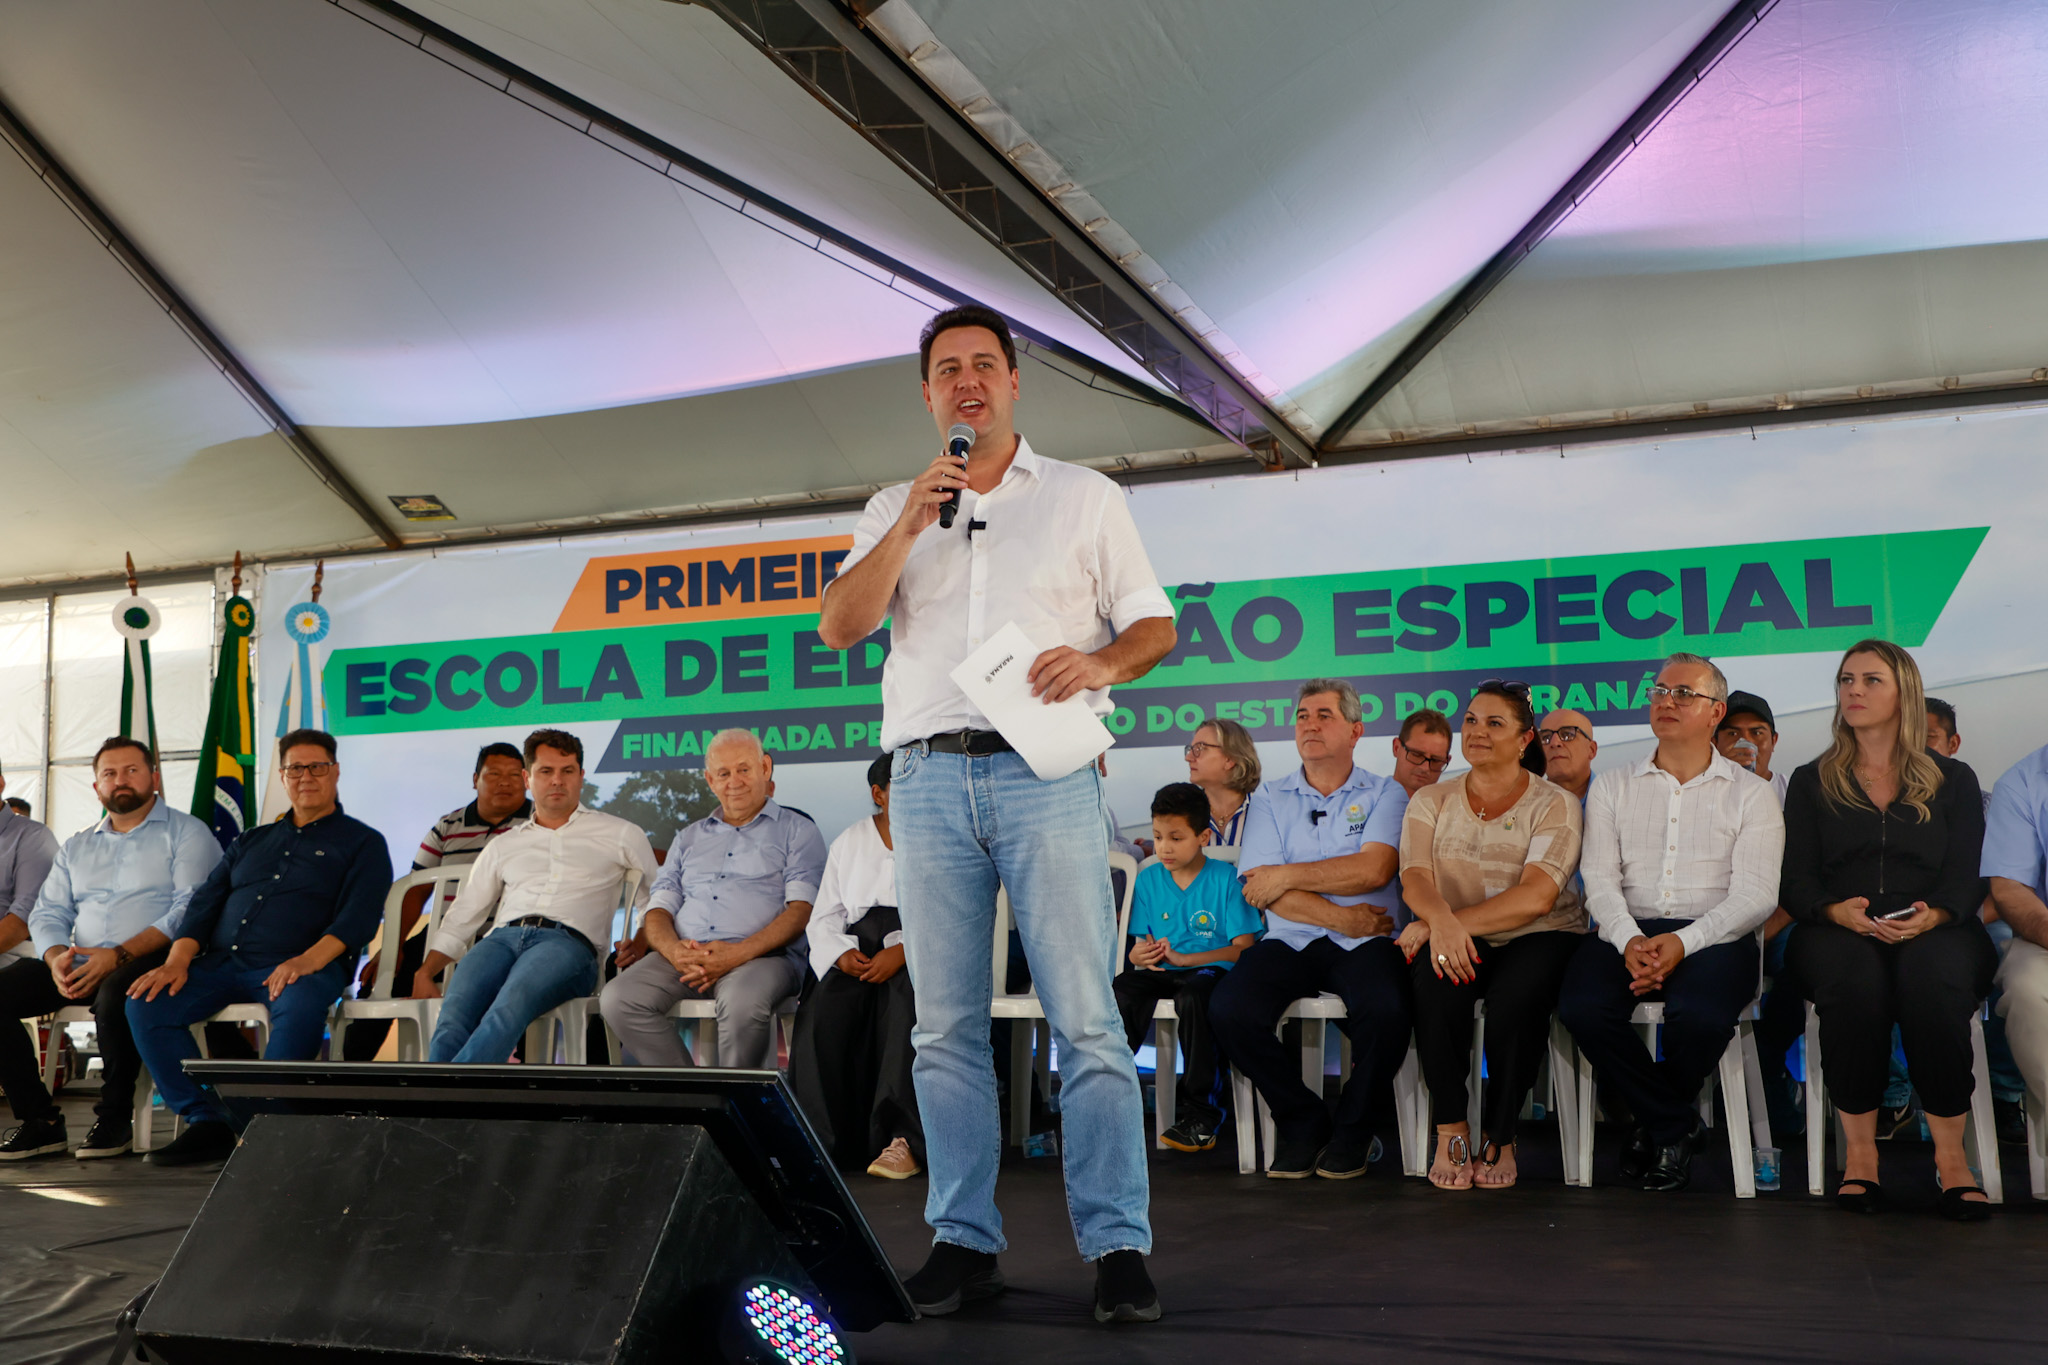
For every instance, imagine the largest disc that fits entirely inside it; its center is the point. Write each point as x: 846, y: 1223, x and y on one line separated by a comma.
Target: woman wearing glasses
x: 1224, y: 764
x: 1486, y: 866
x: 1882, y: 840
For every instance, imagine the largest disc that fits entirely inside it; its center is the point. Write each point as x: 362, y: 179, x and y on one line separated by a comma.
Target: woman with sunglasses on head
x: 1224, y: 764
x: 1486, y: 867
x: 1882, y: 841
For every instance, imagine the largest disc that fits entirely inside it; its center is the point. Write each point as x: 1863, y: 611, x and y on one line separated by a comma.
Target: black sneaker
x: 1346, y: 1157
x: 953, y: 1275
x: 1296, y: 1155
x: 39, y: 1137
x: 1192, y: 1135
x: 1901, y: 1123
x: 2009, y: 1118
x: 1123, y: 1291
x: 1636, y: 1155
x: 210, y: 1140
x: 106, y: 1137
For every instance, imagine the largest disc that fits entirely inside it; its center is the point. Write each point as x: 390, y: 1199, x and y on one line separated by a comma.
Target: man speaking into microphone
x: 1050, y: 546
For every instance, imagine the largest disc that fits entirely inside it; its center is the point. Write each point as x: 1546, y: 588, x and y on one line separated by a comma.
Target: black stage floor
x: 1249, y: 1269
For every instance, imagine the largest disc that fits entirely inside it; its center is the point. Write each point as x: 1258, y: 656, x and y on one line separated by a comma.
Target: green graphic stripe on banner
x: 1782, y: 597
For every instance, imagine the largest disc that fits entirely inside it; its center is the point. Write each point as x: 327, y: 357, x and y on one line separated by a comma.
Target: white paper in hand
x: 1054, y: 739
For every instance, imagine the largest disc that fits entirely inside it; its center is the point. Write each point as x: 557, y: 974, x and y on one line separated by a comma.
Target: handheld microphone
x: 959, y: 439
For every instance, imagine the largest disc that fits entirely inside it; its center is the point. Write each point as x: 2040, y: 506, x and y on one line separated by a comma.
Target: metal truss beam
x: 854, y: 74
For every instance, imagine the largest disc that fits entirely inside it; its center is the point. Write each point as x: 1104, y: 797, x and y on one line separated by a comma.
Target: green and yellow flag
x: 224, y: 795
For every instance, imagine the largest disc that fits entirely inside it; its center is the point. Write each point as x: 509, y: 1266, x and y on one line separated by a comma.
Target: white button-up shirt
x: 860, y: 874
x: 1707, y: 851
x: 1059, y: 555
x: 571, y: 875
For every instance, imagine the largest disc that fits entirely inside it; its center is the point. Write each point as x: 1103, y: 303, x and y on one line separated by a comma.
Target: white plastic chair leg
x: 1243, y: 1107
x: 1587, y: 1100
x: 2037, y: 1145
x: 1564, y: 1100
x: 1165, y: 1093
x: 1817, y: 1114
x: 1474, y: 1084
x: 1735, y: 1101
x: 1980, y: 1136
x: 1266, y: 1135
x: 1753, y: 1086
x: 1411, y: 1107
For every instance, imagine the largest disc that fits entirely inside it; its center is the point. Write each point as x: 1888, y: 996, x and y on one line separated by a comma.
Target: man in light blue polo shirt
x: 106, y: 914
x: 727, y: 918
x: 1320, y: 850
x: 2016, y: 861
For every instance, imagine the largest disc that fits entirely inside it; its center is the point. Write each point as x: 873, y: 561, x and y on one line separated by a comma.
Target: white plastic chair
x: 53, y: 1056
x: 414, y: 1019
x: 567, y: 1025
x: 1980, y: 1128
x: 1742, y: 1096
x: 2037, y: 1147
x: 1025, y: 1006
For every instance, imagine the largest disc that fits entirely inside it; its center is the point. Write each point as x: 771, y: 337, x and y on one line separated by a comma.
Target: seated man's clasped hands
x: 727, y: 918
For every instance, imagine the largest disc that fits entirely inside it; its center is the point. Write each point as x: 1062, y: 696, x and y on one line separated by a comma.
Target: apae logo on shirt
x: 1355, y: 814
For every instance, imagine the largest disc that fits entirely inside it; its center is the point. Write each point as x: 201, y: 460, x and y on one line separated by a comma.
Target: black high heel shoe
x: 1868, y: 1197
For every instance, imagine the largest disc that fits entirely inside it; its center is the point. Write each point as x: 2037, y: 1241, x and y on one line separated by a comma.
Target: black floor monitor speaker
x: 380, y: 1213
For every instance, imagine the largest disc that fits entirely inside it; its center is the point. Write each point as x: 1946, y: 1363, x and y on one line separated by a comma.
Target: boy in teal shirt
x: 1189, y: 921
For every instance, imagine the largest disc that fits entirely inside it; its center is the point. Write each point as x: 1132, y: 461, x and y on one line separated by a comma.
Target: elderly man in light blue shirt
x: 106, y: 914
x: 2016, y: 860
x: 1320, y: 851
x: 26, y: 851
x: 726, y: 920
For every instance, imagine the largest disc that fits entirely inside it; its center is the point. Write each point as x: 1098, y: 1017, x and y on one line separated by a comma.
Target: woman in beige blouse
x: 1485, y: 860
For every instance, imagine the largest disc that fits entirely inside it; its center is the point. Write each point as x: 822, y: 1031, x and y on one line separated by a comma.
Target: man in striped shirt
x: 456, y: 840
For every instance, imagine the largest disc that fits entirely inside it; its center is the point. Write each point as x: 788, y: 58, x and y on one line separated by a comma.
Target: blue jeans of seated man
x: 513, y: 977
x: 162, y: 1027
x: 962, y: 826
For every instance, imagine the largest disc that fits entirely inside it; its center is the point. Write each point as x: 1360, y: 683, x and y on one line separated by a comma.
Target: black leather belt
x: 543, y: 922
x: 973, y: 743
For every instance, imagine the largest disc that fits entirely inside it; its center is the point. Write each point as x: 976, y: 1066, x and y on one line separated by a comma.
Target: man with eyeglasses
x: 1681, y: 865
x: 1319, y: 857
x: 1422, y: 750
x: 1568, y: 750
x: 278, y: 922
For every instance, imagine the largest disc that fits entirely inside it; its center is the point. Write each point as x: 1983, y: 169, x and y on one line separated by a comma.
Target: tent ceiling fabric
x: 1850, y: 203
x: 116, y: 434
x: 1319, y: 178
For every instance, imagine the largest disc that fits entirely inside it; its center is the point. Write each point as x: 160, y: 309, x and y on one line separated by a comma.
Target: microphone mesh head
x: 959, y: 431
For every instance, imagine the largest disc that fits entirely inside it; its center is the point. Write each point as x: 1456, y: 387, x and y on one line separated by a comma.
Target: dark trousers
x: 1520, y: 981
x: 850, y: 1056
x: 1929, y: 986
x: 27, y: 989
x: 1245, y: 1008
x: 361, y: 1038
x: 1139, y: 991
x: 1702, y: 998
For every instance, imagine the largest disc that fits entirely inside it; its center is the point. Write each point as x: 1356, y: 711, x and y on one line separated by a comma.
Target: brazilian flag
x: 224, y: 795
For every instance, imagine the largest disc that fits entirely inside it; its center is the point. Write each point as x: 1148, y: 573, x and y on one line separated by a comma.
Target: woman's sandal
x: 1867, y: 1198
x: 1489, y: 1157
x: 1458, y: 1152
x: 1956, y: 1208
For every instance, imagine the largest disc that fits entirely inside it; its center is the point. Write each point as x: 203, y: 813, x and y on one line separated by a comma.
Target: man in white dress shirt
x: 1681, y: 865
x: 1051, y: 547
x: 554, y: 882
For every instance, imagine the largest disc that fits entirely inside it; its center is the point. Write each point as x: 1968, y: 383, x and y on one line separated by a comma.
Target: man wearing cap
x: 1749, y: 736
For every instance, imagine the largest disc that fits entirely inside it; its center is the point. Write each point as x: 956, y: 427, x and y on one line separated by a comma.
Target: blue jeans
x: 517, y: 974
x: 163, y: 1027
x: 962, y: 826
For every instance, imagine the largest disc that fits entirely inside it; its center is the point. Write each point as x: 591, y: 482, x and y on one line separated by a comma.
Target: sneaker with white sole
x: 39, y: 1137
x: 896, y: 1162
x: 104, y: 1139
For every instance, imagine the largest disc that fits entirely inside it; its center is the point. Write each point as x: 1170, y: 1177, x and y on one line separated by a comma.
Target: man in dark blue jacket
x: 279, y: 922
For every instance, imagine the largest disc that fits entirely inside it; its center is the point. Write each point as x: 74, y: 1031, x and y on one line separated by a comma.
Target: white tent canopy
x: 454, y: 285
